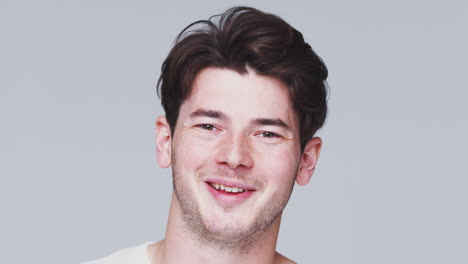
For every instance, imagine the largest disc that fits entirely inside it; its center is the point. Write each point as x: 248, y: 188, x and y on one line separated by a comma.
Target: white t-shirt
x: 131, y: 255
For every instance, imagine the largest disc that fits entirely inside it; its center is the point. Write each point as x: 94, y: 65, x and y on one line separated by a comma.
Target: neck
x: 182, y: 246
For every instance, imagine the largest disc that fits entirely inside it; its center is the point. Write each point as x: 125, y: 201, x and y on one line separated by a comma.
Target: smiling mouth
x: 227, y: 189
x: 229, y: 194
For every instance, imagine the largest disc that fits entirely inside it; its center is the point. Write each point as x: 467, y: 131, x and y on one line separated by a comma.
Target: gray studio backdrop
x: 78, y: 104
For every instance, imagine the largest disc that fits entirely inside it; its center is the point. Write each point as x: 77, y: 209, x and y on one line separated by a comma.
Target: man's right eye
x: 207, y: 127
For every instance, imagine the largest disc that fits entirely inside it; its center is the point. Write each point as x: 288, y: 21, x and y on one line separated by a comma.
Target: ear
x: 163, y: 142
x: 309, y: 160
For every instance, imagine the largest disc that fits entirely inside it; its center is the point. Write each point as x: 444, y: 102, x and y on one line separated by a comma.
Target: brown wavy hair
x: 245, y: 37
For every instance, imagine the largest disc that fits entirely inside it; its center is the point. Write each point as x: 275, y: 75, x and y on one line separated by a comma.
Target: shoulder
x: 280, y: 259
x: 133, y: 255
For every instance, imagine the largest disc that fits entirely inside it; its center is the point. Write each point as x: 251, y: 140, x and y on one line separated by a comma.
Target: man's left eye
x: 269, y: 134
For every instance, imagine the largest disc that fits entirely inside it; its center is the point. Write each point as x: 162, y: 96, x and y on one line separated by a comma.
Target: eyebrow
x: 258, y: 121
x: 208, y: 113
x: 271, y: 122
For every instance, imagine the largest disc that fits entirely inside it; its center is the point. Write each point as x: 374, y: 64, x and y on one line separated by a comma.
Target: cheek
x: 192, y: 153
x: 281, y: 165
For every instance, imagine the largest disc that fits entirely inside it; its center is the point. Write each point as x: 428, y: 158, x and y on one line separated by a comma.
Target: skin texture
x: 241, y: 129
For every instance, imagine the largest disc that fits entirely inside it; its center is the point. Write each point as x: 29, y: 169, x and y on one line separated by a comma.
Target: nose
x: 235, y: 152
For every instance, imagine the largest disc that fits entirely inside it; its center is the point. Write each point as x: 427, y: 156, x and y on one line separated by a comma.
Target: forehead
x: 246, y: 95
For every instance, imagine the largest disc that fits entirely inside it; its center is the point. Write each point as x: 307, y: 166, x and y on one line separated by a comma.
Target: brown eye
x: 207, y: 126
x: 269, y: 134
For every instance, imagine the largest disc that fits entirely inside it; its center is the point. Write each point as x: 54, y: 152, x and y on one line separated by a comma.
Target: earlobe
x: 163, y: 142
x: 309, y: 160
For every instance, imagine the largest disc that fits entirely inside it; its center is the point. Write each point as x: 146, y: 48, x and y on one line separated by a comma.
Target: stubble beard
x: 239, y: 238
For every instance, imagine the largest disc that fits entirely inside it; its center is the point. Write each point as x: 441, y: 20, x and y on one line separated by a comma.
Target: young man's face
x: 238, y: 133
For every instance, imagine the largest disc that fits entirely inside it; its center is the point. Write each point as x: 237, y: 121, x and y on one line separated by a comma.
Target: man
x: 243, y: 95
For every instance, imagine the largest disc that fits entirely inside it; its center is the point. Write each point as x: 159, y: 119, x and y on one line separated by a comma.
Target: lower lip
x: 228, y: 199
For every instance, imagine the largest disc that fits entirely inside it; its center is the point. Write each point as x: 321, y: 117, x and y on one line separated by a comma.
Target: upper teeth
x: 226, y: 188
